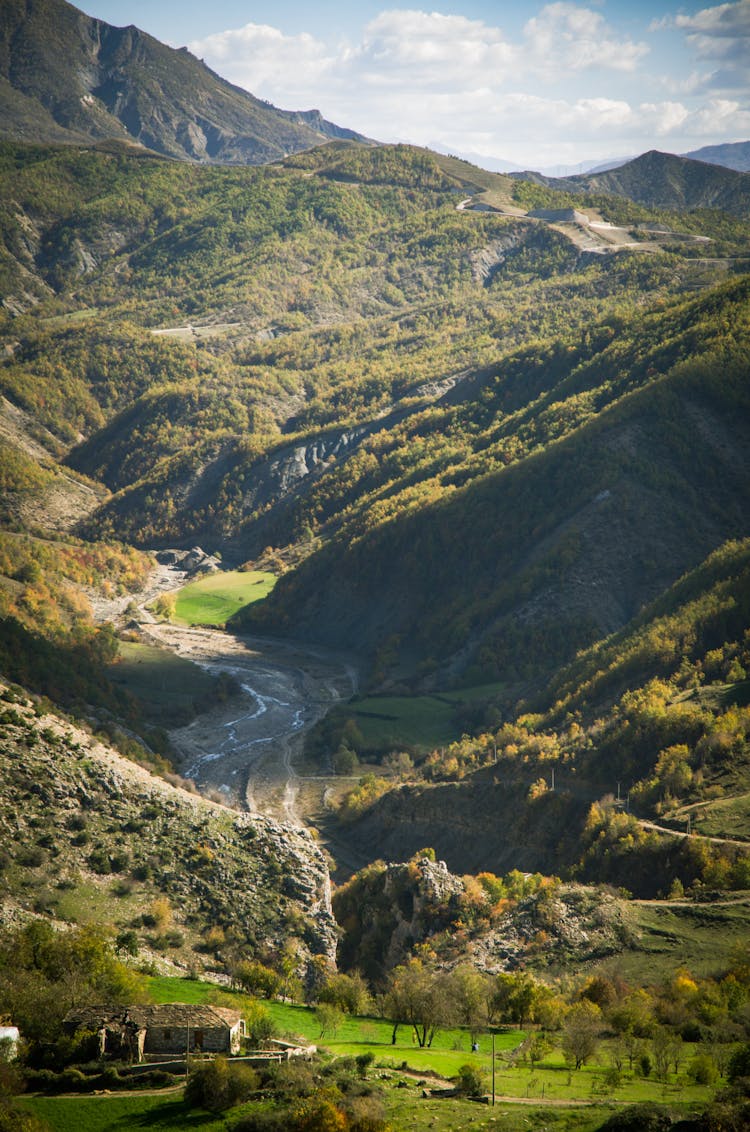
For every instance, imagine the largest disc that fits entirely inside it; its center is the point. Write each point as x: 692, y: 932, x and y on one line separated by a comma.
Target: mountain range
x: 65, y: 77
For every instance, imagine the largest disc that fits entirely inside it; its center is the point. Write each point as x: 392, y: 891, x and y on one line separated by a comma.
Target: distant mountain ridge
x: 661, y: 180
x: 66, y: 77
x: 732, y: 155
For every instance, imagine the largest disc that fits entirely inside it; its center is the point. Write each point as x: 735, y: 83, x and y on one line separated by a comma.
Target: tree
x: 349, y: 993
x: 468, y: 990
x: 329, y: 1018
x: 515, y: 998
x: 44, y: 974
x: 256, y: 978
x: 416, y: 996
x: 666, y: 1047
x: 581, y: 1032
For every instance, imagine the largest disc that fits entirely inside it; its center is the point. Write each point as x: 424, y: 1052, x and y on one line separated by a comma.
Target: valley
x: 445, y: 732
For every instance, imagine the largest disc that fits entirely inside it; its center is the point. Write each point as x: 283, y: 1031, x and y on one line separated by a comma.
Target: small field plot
x: 724, y: 817
x: 212, y: 600
x: 413, y: 721
x: 170, y: 688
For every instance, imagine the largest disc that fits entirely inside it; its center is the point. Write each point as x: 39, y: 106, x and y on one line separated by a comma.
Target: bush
x: 702, y: 1070
x: 639, y: 1118
x: 219, y: 1085
x: 292, y: 1079
x: 364, y: 1061
x: 739, y: 1064
x: 470, y: 1082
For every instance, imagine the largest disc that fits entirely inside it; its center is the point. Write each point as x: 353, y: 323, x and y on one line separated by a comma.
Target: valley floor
x: 248, y: 748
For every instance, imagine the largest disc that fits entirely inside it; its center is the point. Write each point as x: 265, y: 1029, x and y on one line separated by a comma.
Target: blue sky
x: 537, y: 84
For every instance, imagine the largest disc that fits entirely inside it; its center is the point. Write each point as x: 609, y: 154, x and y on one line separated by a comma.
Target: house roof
x: 183, y: 1013
x: 203, y: 1017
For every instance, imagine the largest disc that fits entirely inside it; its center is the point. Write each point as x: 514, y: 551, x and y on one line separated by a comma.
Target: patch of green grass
x: 414, y: 721
x: 697, y: 936
x: 169, y: 687
x: 212, y: 600
x: 724, y: 817
x: 93, y: 904
x: 450, y: 1048
x: 407, y: 1110
x: 165, y: 1113
x: 551, y: 1080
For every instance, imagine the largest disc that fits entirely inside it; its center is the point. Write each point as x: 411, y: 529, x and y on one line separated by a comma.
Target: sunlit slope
x: 515, y: 571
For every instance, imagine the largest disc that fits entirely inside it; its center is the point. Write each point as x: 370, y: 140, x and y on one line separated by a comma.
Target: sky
x: 539, y: 85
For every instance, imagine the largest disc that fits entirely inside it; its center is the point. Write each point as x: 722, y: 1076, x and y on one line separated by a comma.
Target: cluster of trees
x: 337, y: 1097
x: 45, y: 973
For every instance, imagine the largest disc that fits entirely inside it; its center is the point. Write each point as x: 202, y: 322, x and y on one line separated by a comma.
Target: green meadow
x: 413, y: 721
x: 546, y: 1095
x: 212, y: 600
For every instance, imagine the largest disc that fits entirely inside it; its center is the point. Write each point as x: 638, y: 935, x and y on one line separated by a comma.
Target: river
x: 249, y: 747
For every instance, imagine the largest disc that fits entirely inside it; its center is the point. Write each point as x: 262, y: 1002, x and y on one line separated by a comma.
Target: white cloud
x: 259, y: 57
x: 566, y: 37
x: 435, y: 49
x: 569, y: 84
x: 721, y: 34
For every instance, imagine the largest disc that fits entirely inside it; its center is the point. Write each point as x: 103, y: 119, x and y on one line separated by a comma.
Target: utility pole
x: 493, y: 1068
x: 553, y: 780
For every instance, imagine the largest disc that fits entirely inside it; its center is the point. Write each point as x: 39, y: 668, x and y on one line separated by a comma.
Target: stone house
x: 168, y: 1030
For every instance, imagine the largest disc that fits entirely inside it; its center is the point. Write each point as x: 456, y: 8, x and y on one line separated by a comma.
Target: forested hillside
x: 484, y: 450
x: 331, y: 360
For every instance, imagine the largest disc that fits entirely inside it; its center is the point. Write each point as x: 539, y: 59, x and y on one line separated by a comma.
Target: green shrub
x: 702, y: 1070
x: 639, y: 1118
x: 469, y: 1081
x: 219, y: 1085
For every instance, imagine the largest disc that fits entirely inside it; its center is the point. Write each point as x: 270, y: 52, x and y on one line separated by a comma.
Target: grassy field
x: 167, y: 685
x: 566, y: 1100
x: 212, y: 600
x: 451, y: 1048
x: 697, y: 936
x: 724, y: 817
x: 413, y: 721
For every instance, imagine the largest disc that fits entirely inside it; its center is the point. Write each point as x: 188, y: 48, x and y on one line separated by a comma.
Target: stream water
x: 247, y: 747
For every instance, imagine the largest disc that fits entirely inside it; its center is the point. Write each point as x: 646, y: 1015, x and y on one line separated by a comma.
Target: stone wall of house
x: 174, y: 1039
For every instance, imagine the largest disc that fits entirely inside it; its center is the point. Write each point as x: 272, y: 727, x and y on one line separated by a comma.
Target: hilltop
x: 65, y: 77
x: 662, y: 180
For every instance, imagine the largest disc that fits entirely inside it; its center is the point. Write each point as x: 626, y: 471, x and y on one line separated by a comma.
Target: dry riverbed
x: 246, y: 748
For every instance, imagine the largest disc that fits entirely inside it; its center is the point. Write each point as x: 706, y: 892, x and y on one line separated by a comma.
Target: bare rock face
x: 389, y: 910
